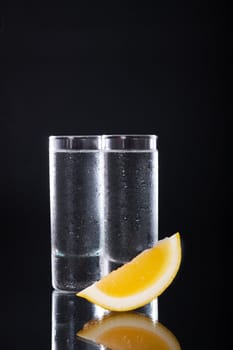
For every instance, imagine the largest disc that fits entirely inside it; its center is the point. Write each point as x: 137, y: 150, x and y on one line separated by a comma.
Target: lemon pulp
x: 141, y: 272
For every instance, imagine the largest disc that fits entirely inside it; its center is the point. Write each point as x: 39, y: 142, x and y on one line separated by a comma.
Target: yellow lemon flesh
x: 139, y: 281
x: 127, y: 331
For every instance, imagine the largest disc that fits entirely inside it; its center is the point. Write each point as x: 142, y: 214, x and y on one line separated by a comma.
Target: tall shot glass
x: 76, y: 210
x: 130, y: 196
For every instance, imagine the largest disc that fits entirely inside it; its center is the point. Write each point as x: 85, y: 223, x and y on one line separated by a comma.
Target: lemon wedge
x: 127, y: 331
x: 139, y: 281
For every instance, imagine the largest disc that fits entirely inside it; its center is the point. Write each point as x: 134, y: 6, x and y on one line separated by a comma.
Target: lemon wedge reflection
x: 127, y: 331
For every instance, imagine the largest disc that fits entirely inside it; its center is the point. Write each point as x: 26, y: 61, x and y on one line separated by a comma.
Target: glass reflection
x: 70, y: 314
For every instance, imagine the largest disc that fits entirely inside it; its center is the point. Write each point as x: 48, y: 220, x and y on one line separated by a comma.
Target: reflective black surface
x: 83, y: 69
x: 52, y: 320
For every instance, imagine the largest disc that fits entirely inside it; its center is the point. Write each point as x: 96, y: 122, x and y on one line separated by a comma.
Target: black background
x: 117, y: 67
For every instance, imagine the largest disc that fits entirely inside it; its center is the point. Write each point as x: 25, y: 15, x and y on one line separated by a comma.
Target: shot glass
x: 76, y: 210
x: 130, y: 196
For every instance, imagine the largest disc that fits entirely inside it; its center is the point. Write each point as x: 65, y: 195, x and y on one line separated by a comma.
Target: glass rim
x: 130, y: 135
x: 75, y: 143
x: 129, y: 142
x: 54, y: 137
x: 104, y: 136
x: 105, y: 142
